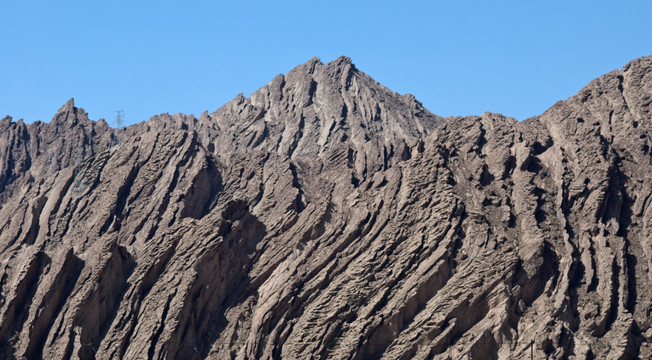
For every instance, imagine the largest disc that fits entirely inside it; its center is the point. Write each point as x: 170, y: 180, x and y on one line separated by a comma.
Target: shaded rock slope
x: 327, y: 217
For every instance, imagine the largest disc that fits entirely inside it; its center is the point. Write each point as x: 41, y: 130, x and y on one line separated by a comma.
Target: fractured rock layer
x: 326, y: 216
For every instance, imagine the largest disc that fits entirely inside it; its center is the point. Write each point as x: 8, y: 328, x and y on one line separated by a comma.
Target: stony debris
x: 326, y: 216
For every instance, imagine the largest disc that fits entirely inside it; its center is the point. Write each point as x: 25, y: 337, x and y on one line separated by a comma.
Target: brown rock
x: 326, y: 216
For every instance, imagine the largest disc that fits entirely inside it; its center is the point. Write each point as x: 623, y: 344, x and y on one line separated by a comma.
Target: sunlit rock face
x: 327, y: 216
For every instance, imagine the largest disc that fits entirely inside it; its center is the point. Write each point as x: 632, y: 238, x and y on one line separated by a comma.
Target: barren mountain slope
x: 326, y: 216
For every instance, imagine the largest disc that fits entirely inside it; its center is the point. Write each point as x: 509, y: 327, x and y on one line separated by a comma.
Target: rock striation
x: 326, y: 216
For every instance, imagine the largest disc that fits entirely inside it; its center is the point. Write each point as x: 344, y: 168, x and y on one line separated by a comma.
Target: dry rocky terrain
x: 327, y: 216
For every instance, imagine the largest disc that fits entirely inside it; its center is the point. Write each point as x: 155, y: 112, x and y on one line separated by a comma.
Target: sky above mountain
x: 458, y: 58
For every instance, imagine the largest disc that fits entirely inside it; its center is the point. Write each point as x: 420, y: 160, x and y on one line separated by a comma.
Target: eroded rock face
x: 329, y: 217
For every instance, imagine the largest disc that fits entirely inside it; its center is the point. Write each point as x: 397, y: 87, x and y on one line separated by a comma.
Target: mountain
x: 326, y: 216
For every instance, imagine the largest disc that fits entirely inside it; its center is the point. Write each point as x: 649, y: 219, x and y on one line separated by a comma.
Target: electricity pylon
x: 119, y: 118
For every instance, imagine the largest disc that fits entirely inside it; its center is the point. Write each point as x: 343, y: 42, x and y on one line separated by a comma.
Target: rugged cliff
x: 326, y: 216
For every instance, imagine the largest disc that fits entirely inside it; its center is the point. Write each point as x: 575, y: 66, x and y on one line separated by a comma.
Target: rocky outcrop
x: 312, y: 111
x: 40, y: 150
x: 326, y: 216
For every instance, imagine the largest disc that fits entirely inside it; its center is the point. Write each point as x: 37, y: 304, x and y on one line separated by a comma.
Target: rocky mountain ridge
x: 326, y: 216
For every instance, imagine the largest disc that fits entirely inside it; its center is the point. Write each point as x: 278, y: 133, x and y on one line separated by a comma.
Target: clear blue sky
x: 457, y: 57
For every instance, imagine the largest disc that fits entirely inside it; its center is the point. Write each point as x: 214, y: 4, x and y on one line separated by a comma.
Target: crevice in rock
x: 16, y: 312
x: 296, y: 137
x: 122, y: 195
x: 611, y: 312
x: 52, y: 303
x: 152, y: 275
x: 202, y: 318
x: 37, y: 208
x: 159, y: 330
x: 201, y: 196
x: 533, y: 282
x: 299, y: 205
x: 100, y: 307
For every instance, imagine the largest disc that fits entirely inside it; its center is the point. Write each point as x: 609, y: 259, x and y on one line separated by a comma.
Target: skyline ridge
x: 342, y: 59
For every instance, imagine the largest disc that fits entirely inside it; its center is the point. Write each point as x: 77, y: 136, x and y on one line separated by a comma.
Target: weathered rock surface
x: 326, y: 216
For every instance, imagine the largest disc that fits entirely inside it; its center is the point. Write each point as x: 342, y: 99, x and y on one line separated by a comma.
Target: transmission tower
x: 119, y: 118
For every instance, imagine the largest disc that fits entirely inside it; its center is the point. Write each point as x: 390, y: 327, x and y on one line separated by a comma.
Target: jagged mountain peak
x: 39, y: 150
x: 311, y: 112
x: 70, y: 115
x: 614, y: 105
x: 6, y: 119
x: 315, y: 63
x: 317, y: 108
x: 68, y: 105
